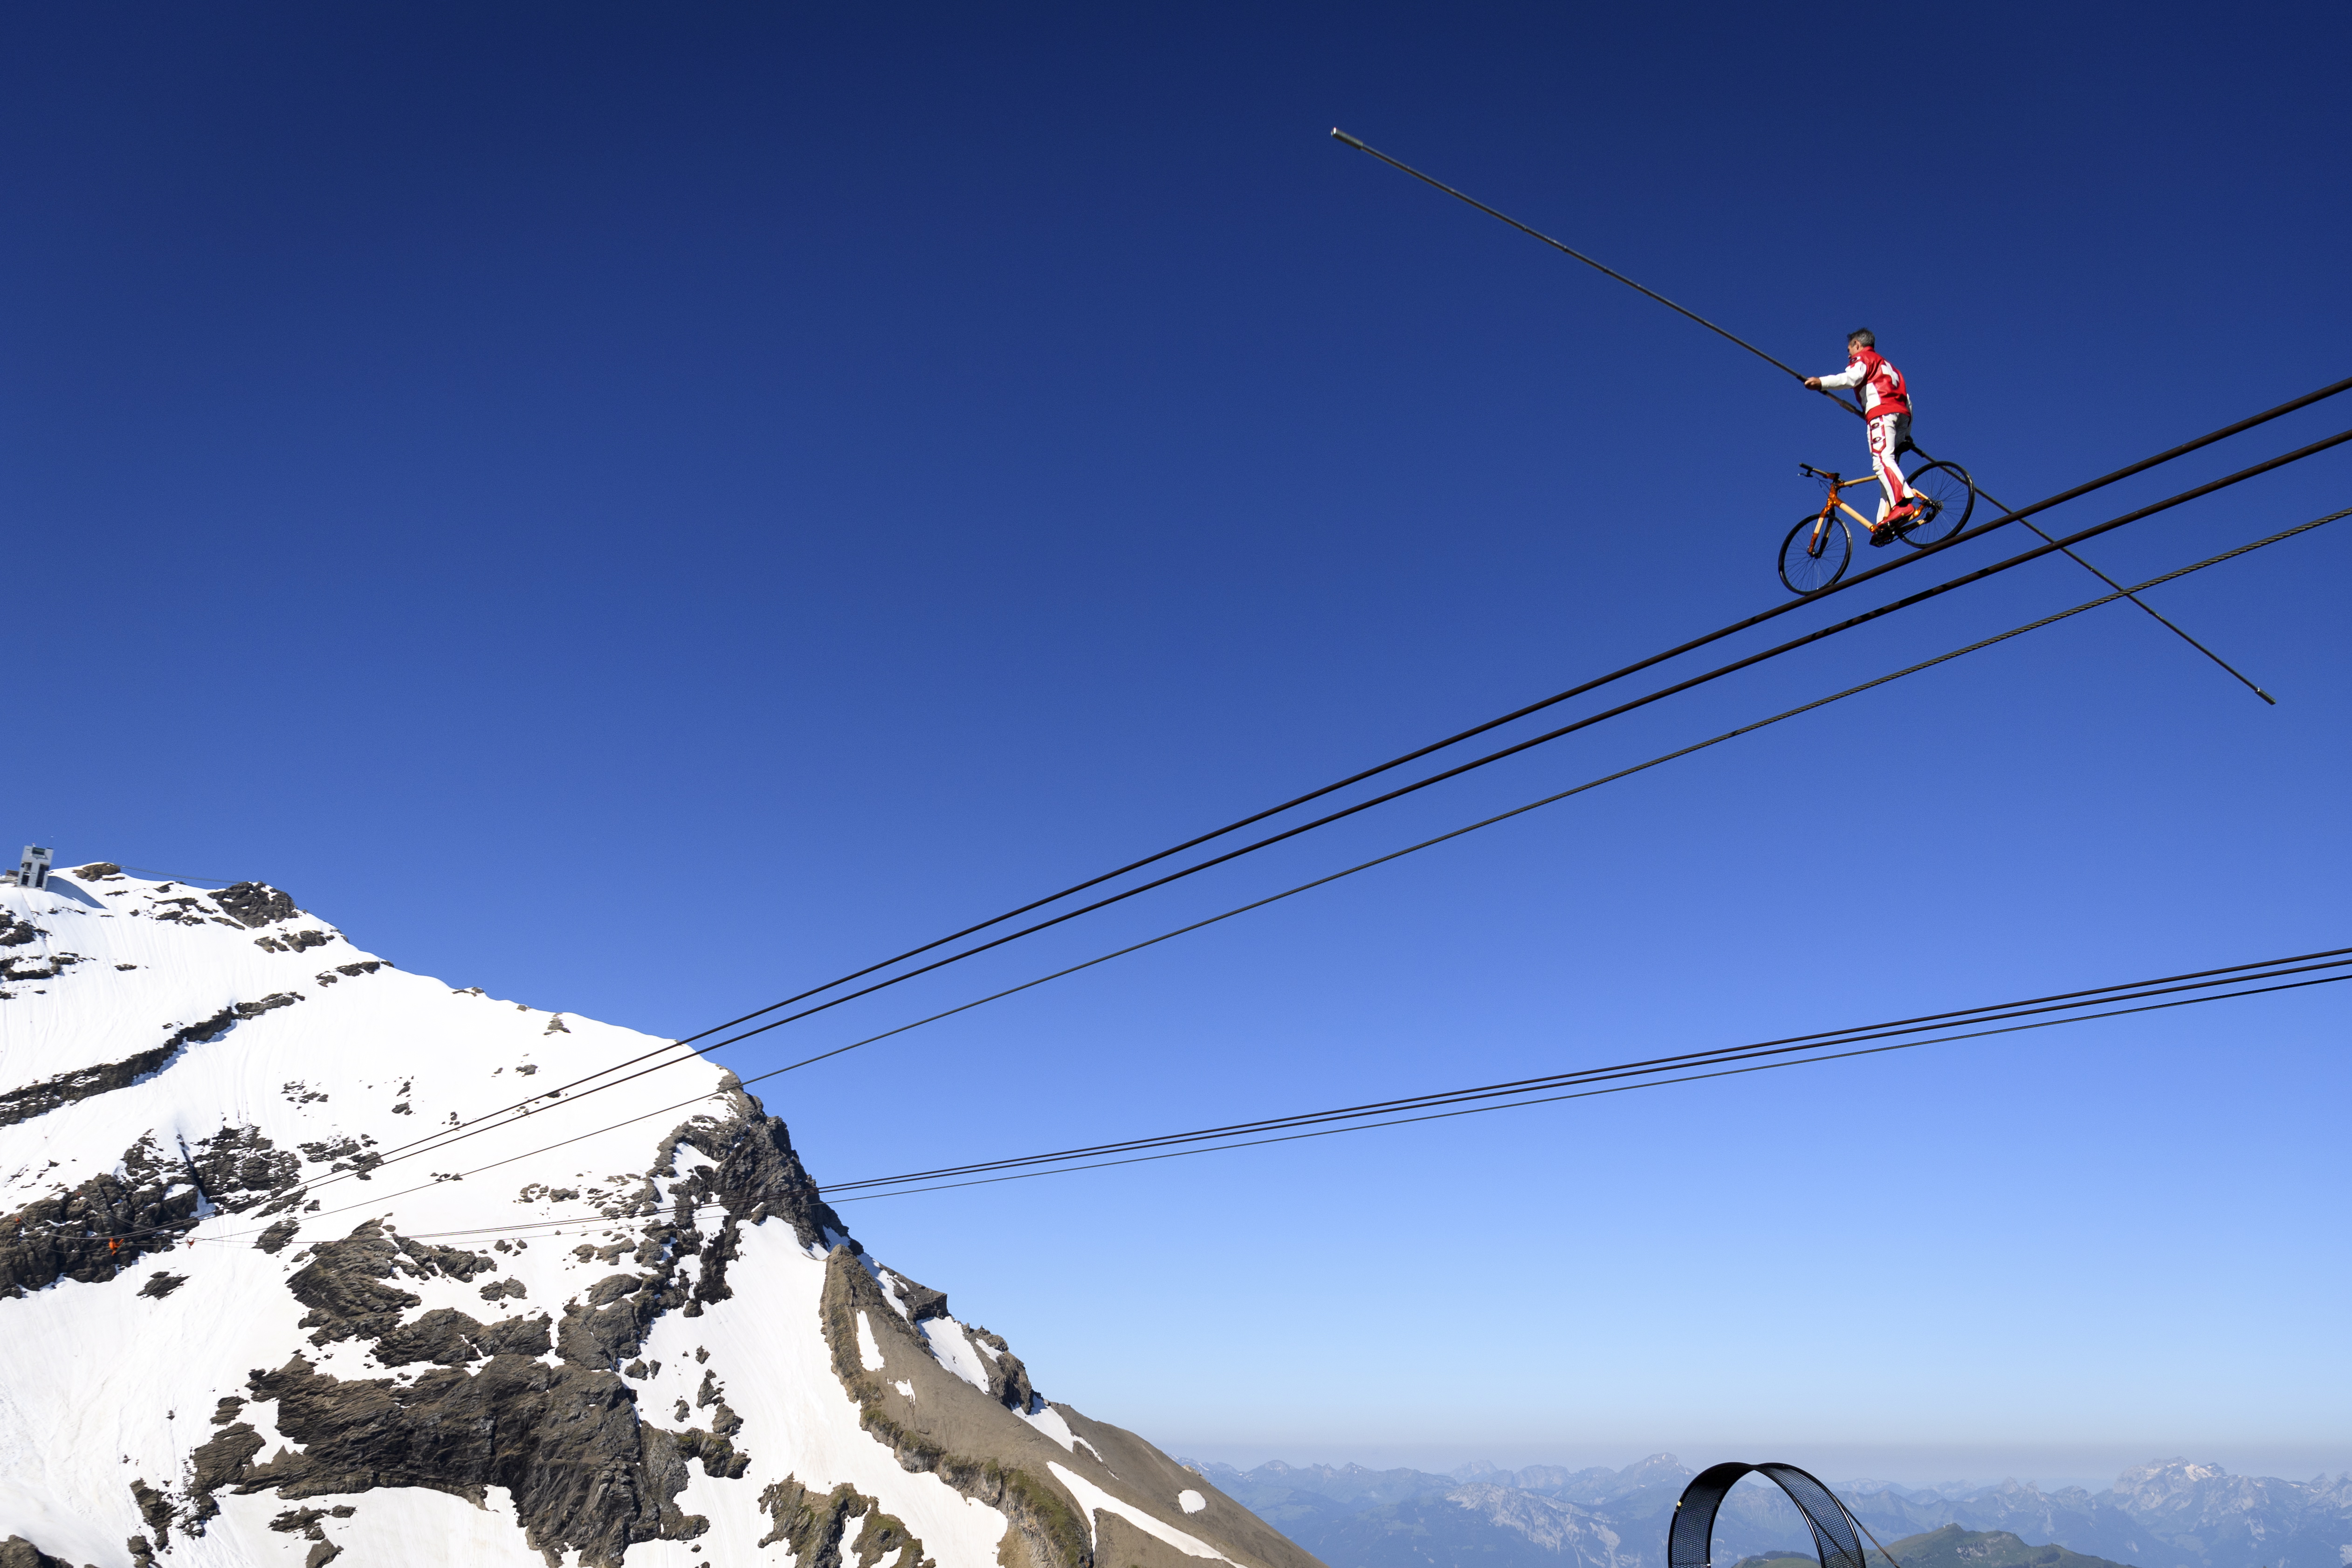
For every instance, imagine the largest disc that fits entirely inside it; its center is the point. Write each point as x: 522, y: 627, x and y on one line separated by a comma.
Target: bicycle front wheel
x: 1815, y: 553
x: 1947, y: 495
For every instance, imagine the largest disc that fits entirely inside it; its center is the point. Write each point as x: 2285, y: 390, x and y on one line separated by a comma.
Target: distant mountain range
x: 2172, y: 1514
x: 1950, y: 1547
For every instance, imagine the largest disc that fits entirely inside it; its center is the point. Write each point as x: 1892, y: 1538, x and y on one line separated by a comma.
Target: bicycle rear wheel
x: 1815, y: 553
x: 1946, y: 496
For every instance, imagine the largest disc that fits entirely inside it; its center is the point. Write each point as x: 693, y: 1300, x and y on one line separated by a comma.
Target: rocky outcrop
x: 93, y: 1232
x: 18, y: 1552
x: 38, y: 1098
x: 1048, y: 1532
x: 255, y: 904
x: 810, y: 1525
x: 586, y: 1473
x: 34, y: 1100
x: 756, y: 1174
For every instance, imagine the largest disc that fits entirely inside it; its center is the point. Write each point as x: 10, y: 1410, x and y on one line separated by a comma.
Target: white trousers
x: 1885, y: 438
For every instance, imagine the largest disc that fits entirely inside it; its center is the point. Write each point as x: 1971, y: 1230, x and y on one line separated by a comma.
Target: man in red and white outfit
x: 1886, y: 403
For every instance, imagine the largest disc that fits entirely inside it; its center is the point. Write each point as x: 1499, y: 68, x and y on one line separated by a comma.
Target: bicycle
x: 1818, y: 549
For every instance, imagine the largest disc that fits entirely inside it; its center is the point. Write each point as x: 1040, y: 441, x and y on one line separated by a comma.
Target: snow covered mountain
x: 250, y: 1313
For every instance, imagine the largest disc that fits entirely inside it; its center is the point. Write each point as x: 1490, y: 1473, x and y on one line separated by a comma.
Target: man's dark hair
x: 1864, y: 336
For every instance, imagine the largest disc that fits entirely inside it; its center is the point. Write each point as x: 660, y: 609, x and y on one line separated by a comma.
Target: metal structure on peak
x: 33, y: 868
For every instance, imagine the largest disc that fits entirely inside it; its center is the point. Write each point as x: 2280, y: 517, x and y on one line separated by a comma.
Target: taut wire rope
x: 1782, y: 609
x: 1397, y: 854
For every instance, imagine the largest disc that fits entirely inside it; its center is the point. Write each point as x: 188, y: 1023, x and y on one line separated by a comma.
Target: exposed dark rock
x: 97, y: 870
x: 305, y: 1522
x: 237, y: 1163
x: 564, y: 1442
x: 95, y: 1230
x: 586, y: 1475
x: 811, y: 1525
x: 344, y: 1285
x: 347, y: 1285
x: 921, y: 1301
x: 48, y: 968
x: 18, y: 1552
x: 1049, y: 1529
x: 1008, y: 1379
x: 216, y: 1464
x: 257, y: 904
x: 755, y: 1174
x: 14, y: 933
x: 289, y: 941
x: 34, y: 1100
x: 162, y: 1285
x: 274, y: 1239
x: 24, y: 1104
x: 348, y: 1155
x: 156, y: 1510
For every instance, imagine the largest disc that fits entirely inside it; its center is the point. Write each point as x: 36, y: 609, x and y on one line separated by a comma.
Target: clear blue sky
x: 641, y: 509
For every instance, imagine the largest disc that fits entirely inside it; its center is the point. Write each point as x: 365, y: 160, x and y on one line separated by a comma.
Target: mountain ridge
x: 244, y: 1320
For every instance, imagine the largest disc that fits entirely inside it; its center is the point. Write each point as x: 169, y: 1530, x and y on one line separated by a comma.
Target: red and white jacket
x: 1883, y: 388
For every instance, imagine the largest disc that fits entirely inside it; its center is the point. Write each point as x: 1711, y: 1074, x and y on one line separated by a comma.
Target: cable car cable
x: 477, y: 1128
x: 2125, y: 472
x: 2242, y: 975
x: 2333, y: 959
x: 1612, y: 1089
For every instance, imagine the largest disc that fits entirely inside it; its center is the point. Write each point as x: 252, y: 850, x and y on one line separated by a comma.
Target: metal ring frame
x: 1690, y: 1541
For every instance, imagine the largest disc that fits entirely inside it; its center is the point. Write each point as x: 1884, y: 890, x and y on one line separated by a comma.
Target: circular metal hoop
x: 1691, y: 1539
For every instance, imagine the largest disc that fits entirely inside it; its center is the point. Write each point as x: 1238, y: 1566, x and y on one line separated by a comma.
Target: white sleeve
x: 1851, y: 375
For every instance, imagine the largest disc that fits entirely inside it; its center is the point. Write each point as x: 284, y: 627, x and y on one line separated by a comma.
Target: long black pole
x: 1340, y: 136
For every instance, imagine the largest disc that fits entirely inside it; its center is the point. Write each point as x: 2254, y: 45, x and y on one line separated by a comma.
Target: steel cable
x: 1538, y: 804
x: 1593, y: 684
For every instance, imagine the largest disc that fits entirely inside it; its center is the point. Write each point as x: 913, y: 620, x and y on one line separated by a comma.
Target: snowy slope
x: 243, y: 1319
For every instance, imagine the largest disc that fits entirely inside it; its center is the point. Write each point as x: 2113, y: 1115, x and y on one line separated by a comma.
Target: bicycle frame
x: 1837, y: 502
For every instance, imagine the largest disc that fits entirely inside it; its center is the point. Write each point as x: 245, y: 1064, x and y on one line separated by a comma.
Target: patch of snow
x: 906, y: 1388
x: 49, y: 1524
x: 1049, y: 1421
x: 1190, y: 1501
x: 1093, y: 1500
x: 955, y: 1349
x: 88, y: 1371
